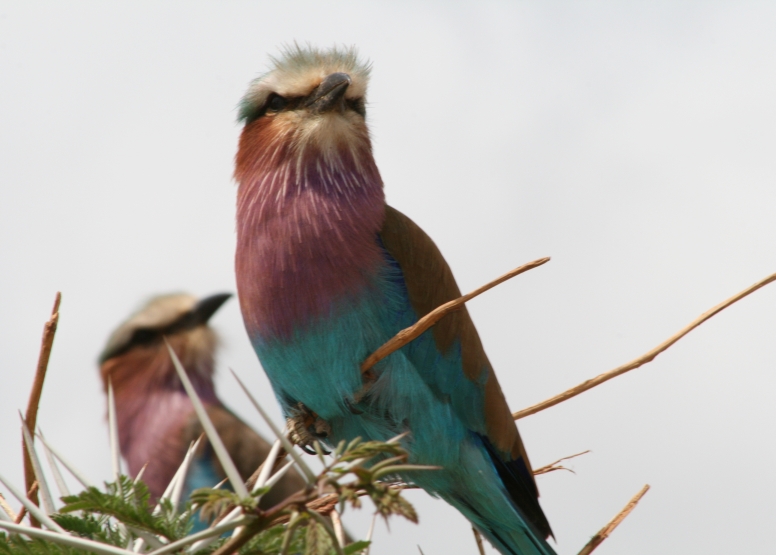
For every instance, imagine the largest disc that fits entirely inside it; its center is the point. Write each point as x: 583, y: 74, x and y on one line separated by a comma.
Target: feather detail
x: 299, y: 70
x: 430, y: 283
x: 307, y: 218
x: 326, y: 273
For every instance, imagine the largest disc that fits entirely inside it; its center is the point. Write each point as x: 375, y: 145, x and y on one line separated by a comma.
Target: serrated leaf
x: 213, y: 502
x: 317, y: 540
x: 92, y: 528
x: 128, y: 502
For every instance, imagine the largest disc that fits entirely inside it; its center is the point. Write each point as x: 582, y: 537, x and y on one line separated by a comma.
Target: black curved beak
x: 330, y: 94
x: 208, y: 306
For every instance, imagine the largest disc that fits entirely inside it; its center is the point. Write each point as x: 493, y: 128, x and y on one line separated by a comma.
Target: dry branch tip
x: 643, y: 359
x: 553, y: 466
x: 604, y: 532
x: 47, y: 342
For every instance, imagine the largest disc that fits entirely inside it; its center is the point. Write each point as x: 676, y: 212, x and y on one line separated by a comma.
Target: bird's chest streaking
x: 315, y: 288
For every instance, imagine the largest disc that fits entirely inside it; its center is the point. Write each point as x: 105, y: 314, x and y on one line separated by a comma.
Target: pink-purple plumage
x: 155, y: 417
x: 327, y: 272
x: 326, y: 221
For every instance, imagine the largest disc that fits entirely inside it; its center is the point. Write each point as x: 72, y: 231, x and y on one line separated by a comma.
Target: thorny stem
x: 23, y: 511
x: 49, y: 329
x: 7, y: 508
x: 267, y: 519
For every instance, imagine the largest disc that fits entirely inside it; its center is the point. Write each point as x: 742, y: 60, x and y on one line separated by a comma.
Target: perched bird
x: 156, y: 419
x: 327, y: 272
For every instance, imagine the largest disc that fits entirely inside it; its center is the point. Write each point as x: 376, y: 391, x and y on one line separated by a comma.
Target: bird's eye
x: 276, y: 103
x: 143, y: 336
x: 357, y: 105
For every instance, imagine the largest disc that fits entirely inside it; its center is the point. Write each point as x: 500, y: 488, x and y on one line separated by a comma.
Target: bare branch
x: 553, y: 466
x: 413, y: 332
x: 478, y: 539
x: 604, y: 532
x: 7, y: 508
x: 322, y: 505
x: 23, y: 511
x: 643, y: 359
x: 32, y: 405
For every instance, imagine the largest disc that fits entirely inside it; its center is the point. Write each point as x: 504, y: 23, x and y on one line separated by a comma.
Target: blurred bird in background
x: 156, y: 419
x: 327, y: 273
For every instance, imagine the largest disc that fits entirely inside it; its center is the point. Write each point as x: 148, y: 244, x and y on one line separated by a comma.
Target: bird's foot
x: 306, y: 427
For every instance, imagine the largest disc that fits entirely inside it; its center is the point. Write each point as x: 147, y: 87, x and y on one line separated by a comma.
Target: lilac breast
x: 306, y: 238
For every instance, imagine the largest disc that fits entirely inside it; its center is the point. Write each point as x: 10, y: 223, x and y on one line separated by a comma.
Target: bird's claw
x: 307, y: 450
x: 306, y: 428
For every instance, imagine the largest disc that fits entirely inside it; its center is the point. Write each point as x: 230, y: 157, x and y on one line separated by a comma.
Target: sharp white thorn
x: 70, y: 468
x: 43, y: 487
x: 58, y: 478
x: 215, y: 440
x: 306, y: 472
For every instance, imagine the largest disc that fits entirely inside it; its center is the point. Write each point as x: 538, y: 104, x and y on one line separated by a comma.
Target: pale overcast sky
x: 635, y: 143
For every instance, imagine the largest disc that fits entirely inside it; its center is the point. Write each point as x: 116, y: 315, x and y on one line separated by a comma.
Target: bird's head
x: 307, y: 112
x: 136, y: 349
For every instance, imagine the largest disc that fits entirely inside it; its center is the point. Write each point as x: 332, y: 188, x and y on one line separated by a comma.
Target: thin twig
x: 478, y: 539
x: 23, y: 511
x: 337, y: 524
x: 553, y: 466
x: 323, y: 506
x: 604, y: 532
x: 7, y: 508
x: 643, y: 359
x: 413, y: 332
x: 32, y: 406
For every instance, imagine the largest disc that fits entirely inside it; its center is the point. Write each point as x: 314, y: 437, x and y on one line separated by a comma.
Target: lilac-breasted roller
x: 156, y: 419
x: 327, y: 273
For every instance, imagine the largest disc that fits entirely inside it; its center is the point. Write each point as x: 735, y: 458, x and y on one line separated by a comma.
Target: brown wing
x: 430, y: 283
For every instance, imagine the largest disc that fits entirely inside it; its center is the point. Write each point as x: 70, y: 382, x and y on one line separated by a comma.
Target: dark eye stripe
x: 357, y: 105
x: 276, y: 103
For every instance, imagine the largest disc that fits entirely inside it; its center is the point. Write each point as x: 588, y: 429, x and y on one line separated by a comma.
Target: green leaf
x: 213, y: 502
x: 317, y: 540
x: 92, y: 528
x: 356, y: 547
x: 128, y: 502
x: 16, y: 545
x: 268, y: 542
